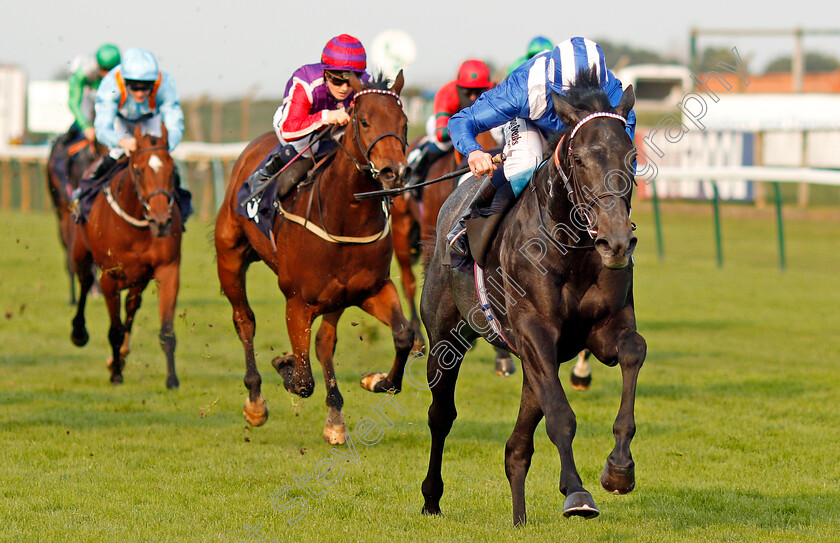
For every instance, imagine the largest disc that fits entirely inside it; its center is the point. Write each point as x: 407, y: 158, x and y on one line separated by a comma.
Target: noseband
x: 369, y: 167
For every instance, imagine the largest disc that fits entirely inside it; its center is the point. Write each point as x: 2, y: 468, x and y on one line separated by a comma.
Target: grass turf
x: 737, y: 411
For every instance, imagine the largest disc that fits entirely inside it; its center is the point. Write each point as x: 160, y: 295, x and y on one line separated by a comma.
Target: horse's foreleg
x: 446, y: 352
x: 298, y: 379
x: 116, y: 332
x: 335, y: 430
x: 82, y: 260
x: 626, y: 346
x: 520, y: 448
x: 168, y: 278
x: 540, y: 367
x: 385, y: 306
x: 231, y: 267
x: 402, y: 223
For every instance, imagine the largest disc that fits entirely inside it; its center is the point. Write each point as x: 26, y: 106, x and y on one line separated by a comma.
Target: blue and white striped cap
x: 572, y: 56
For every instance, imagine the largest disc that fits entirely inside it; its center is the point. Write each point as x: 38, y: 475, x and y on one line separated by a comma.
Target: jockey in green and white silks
x: 137, y: 92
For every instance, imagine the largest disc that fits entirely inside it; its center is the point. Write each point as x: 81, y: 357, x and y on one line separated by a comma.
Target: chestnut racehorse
x: 346, y: 263
x: 133, y: 234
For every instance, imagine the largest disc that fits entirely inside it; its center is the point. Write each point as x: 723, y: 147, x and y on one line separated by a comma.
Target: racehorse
x: 561, y: 265
x: 133, y: 234
x: 79, y: 155
x: 347, y: 263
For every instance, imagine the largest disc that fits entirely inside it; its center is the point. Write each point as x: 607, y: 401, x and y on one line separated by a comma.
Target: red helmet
x: 474, y: 74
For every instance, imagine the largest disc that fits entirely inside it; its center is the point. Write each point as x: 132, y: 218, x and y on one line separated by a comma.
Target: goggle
x: 136, y: 85
x: 472, y: 92
x: 336, y: 80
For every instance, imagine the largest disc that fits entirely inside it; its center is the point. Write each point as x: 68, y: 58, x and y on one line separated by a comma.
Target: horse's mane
x: 378, y: 81
x: 584, y: 94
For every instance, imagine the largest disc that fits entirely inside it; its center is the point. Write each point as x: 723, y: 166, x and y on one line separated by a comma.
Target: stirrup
x: 458, y: 243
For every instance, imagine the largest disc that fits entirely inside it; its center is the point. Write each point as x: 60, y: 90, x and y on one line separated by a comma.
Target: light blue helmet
x: 139, y: 65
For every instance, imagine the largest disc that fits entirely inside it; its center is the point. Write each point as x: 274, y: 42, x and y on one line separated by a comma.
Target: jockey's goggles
x: 138, y: 85
x: 338, y: 78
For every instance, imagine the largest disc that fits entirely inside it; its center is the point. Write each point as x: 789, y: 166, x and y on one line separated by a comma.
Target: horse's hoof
x: 580, y: 383
x: 429, y: 509
x: 172, y: 382
x: 580, y: 504
x: 376, y: 382
x: 116, y: 379
x: 419, y: 344
x: 256, y: 413
x: 335, y: 434
x: 505, y: 367
x: 79, y: 340
x: 285, y: 366
x: 618, y: 480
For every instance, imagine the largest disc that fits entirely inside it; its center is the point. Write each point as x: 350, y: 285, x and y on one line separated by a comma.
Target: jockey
x: 316, y: 97
x: 136, y: 93
x: 88, y: 72
x: 473, y: 79
x: 537, y: 45
x: 523, y: 101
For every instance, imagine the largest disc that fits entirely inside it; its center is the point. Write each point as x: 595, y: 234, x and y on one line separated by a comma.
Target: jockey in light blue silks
x: 136, y: 93
x: 523, y: 103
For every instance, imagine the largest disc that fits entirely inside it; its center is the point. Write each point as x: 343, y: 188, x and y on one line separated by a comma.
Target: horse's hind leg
x: 168, y: 278
x: 623, y: 344
x: 335, y: 430
x: 385, y: 306
x: 581, y: 376
x: 116, y: 332
x: 231, y: 265
x: 520, y: 448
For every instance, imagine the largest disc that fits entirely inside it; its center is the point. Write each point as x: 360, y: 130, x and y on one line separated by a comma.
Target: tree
x: 814, y: 62
x: 711, y: 57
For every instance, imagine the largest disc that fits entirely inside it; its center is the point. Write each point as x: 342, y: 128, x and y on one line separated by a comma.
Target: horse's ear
x: 137, y: 132
x: 566, y: 111
x: 399, y: 81
x: 628, y: 100
x: 355, y: 83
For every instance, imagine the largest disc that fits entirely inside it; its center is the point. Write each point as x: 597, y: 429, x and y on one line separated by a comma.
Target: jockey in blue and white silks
x: 137, y: 91
x: 524, y: 104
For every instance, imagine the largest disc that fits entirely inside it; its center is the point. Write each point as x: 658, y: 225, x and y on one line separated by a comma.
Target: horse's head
x: 379, y: 126
x: 594, y: 162
x: 151, y: 169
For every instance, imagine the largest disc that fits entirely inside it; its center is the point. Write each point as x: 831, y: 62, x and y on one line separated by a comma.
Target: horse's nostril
x: 602, y: 245
x: 632, y: 245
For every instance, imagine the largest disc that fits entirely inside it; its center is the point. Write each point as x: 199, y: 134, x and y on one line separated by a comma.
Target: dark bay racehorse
x: 133, y: 234
x: 324, y: 276
x: 79, y: 156
x: 563, y: 275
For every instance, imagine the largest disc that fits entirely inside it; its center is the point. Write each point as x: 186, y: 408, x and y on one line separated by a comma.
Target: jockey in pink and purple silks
x: 317, y: 96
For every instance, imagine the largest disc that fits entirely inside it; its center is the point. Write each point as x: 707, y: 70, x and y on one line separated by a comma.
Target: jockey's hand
x: 129, y: 144
x: 90, y: 133
x: 338, y: 116
x: 481, y: 163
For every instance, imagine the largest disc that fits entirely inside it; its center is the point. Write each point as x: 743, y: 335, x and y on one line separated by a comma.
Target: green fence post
x: 660, y: 247
x: 780, y: 225
x: 716, y: 205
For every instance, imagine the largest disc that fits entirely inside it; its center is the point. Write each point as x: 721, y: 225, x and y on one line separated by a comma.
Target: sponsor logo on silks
x: 252, y: 208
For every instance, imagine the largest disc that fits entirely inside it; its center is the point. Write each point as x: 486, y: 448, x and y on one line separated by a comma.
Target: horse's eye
x: 364, y: 122
x: 577, y: 159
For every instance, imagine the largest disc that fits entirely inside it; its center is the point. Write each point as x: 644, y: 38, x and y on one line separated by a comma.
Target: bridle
x: 573, y: 187
x: 365, y: 151
x: 134, y: 173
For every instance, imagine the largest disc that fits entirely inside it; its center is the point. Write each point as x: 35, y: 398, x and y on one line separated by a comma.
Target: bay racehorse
x: 347, y: 263
x: 561, y: 277
x: 133, y: 234
x: 65, y: 167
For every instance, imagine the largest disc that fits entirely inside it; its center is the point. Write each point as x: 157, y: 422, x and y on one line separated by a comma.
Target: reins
x: 133, y: 173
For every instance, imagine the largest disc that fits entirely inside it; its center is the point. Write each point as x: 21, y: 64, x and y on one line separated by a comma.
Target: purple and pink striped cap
x: 344, y: 53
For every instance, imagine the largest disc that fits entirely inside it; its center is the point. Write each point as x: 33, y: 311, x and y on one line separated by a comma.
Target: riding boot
x: 292, y: 175
x: 183, y: 198
x: 260, y: 178
x: 481, y: 199
x: 102, y: 167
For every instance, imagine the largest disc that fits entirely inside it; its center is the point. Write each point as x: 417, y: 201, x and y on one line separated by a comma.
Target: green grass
x: 738, y: 411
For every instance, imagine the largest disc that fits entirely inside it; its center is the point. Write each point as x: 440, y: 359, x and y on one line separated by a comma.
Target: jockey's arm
x: 106, y: 107
x: 614, y: 93
x: 170, y: 111
x: 294, y: 119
